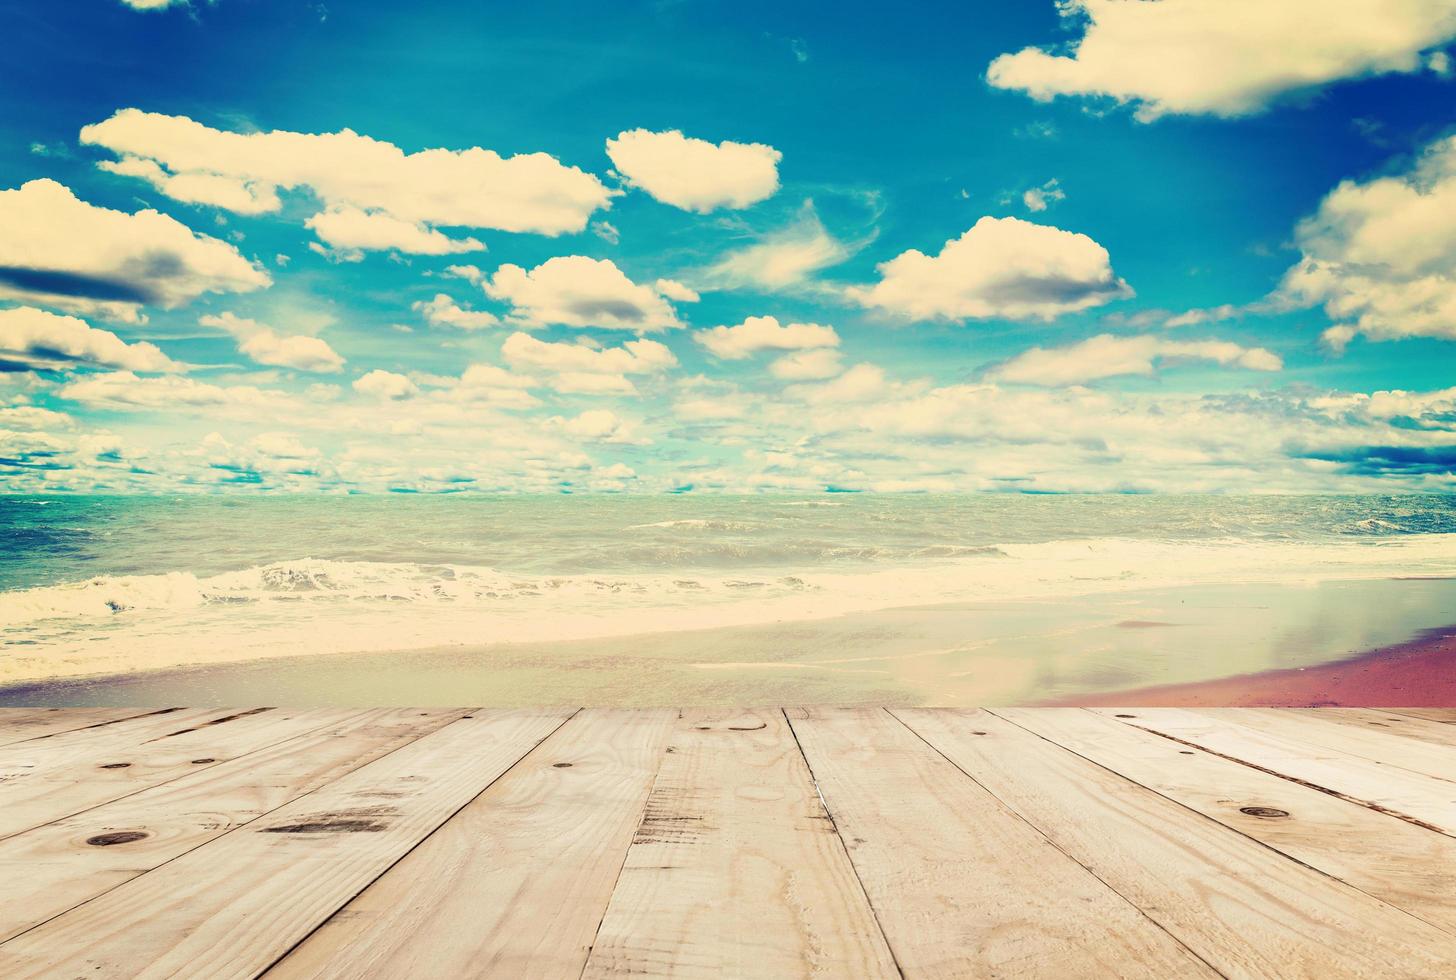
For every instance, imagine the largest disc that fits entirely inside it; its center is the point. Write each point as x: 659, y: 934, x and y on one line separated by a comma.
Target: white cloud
x: 1224, y: 57
x: 1380, y: 256
x: 57, y: 250
x: 444, y: 311
x: 1001, y: 267
x: 807, y: 365
x: 374, y: 194
x: 576, y: 291
x: 780, y: 259
x: 676, y: 291
x: 355, y: 230
x: 597, y: 425
x: 579, y: 369
x: 1043, y: 197
x: 264, y: 345
x: 470, y: 273
x: 32, y: 339
x: 385, y: 385
x: 153, y: 4
x: 1107, y: 356
x: 693, y: 174
x: 124, y: 391
x: 758, y: 333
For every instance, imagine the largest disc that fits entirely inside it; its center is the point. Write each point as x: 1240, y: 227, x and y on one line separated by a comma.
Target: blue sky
x: 1002, y: 247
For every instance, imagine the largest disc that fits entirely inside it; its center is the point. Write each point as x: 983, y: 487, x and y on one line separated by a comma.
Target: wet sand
x: 1071, y: 650
x: 1417, y: 674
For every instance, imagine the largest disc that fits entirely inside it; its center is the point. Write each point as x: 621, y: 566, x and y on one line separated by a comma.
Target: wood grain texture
x: 1409, y: 795
x: 1243, y: 910
x: 170, y: 747
x: 232, y: 908
x: 1390, y: 722
x: 962, y: 886
x: 58, y: 866
x: 1446, y: 716
x: 23, y: 724
x: 1407, y: 866
x: 1371, y: 744
x: 736, y: 869
x: 516, y: 884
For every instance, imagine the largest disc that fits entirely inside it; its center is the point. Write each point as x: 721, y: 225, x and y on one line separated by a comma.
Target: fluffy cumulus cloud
x: 385, y: 385
x: 1107, y: 356
x: 597, y: 425
x: 264, y: 345
x: 58, y: 250
x: 576, y: 291
x: 1380, y: 255
x: 1224, y: 57
x: 443, y: 311
x: 1001, y: 267
x: 759, y: 333
x: 693, y: 174
x: 353, y: 231
x: 375, y: 195
x: 153, y: 4
x: 806, y: 365
x: 780, y: 259
x: 126, y: 391
x: 32, y: 339
x: 588, y: 370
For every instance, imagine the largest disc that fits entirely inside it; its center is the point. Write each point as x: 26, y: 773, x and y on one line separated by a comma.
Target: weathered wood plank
x: 1408, y: 866
x: 1242, y: 907
x: 737, y: 870
x: 1388, y: 722
x: 22, y: 724
x: 55, y: 867
x: 960, y: 884
x: 110, y: 772
x: 516, y: 883
x: 232, y: 907
x: 1409, y: 795
x: 1446, y: 716
x: 1383, y: 749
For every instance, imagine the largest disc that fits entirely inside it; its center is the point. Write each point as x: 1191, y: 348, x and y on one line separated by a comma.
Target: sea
x: 133, y: 582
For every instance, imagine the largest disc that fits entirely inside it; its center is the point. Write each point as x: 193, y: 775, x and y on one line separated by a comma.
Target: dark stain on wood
x: 116, y: 837
x: 218, y: 721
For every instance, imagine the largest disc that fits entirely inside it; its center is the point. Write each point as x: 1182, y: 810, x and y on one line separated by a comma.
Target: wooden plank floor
x: 798, y: 842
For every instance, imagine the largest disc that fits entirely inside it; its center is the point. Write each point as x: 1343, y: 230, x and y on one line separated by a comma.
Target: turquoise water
x: 150, y: 580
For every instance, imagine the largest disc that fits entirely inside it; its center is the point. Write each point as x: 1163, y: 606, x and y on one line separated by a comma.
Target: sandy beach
x: 1417, y: 674
x: 1213, y: 643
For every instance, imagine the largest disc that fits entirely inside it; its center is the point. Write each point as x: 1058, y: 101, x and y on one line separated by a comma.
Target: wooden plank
x: 516, y: 883
x: 1446, y: 716
x: 232, y: 907
x: 106, y: 772
x: 1388, y: 722
x: 961, y: 885
x: 1411, y: 796
x: 1243, y: 908
x: 1408, y: 866
x: 29, y: 758
x: 55, y: 867
x: 1381, y: 748
x: 22, y: 724
x: 737, y: 870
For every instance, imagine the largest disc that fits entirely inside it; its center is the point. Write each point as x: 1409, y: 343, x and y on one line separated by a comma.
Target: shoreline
x: 1419, y: 673
x: 1210, y: 645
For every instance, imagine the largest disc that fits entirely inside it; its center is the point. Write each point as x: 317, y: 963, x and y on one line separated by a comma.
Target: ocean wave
x: 332, y: 582
x: 699, y: 524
